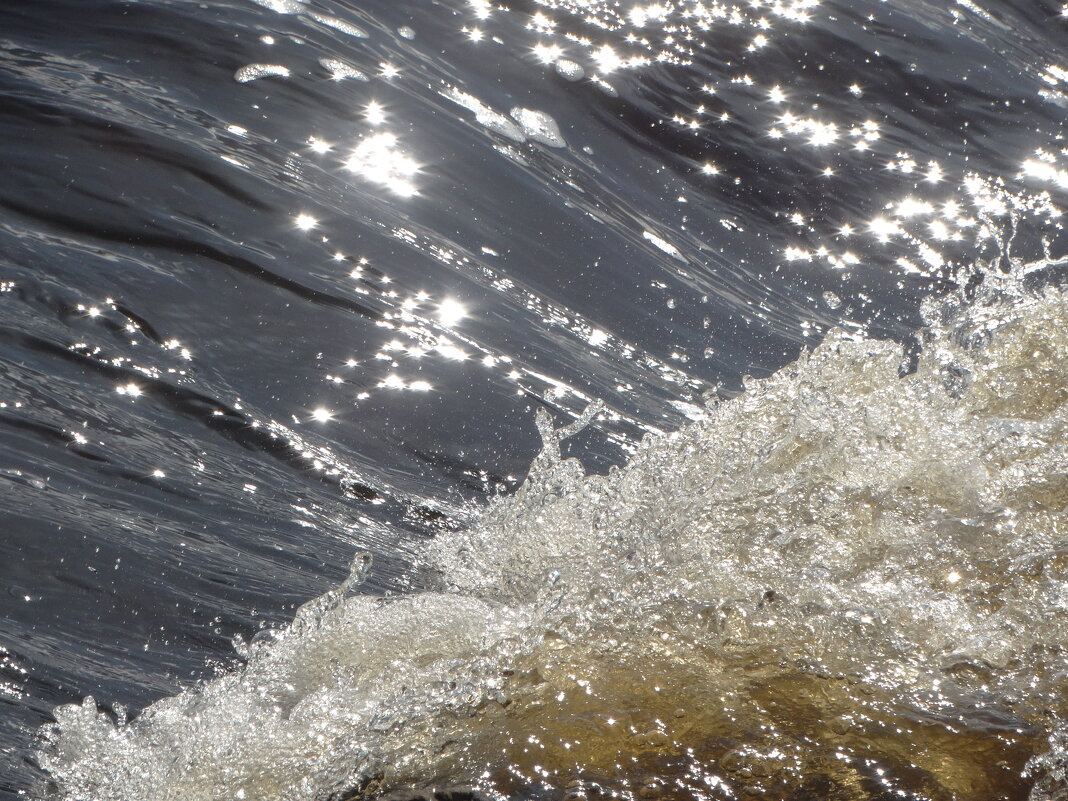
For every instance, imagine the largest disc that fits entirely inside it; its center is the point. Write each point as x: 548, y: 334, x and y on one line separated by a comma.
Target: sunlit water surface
x: 764, y: 297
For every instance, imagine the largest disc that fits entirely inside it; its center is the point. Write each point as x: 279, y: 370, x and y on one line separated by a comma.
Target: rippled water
x: 285, y: 282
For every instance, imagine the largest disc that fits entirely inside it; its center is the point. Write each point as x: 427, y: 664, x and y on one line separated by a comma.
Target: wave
x: 847, y: 582
x: 844, y: 583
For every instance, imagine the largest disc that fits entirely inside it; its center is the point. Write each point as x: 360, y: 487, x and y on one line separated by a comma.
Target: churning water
x: 286, y: 282
x: 843, y: 584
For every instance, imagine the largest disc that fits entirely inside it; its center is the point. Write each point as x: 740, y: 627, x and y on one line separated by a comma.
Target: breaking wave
x: 845, y: 583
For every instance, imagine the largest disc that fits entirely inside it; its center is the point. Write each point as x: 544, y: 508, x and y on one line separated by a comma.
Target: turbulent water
x: 765, y: 296
x: 843, y: 584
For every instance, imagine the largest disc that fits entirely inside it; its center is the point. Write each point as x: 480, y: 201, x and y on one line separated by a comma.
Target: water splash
x: 842, y: 582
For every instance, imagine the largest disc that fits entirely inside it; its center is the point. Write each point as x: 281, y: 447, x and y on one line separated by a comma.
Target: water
x: 286, y: 282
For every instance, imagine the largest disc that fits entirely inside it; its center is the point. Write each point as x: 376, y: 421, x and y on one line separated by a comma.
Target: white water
x: 840, y: 572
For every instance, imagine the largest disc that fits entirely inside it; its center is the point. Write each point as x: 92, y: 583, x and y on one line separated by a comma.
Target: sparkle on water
x: 322, y: 415
x: 841, y: 584
x: 378, y: 158
x: 450, y: 312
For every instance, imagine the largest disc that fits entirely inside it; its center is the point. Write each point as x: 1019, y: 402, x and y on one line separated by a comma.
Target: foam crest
x: 844, y: 582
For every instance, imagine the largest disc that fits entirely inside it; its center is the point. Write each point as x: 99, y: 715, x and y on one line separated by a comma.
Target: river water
x: 681, y: 386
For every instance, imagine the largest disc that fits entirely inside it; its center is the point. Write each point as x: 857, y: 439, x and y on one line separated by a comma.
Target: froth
x: 842, y: 582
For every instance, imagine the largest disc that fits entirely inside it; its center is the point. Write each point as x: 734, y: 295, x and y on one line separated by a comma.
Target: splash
x: 842, y: 584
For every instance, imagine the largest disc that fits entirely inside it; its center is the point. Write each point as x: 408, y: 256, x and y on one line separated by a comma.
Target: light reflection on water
x: 739, y: 177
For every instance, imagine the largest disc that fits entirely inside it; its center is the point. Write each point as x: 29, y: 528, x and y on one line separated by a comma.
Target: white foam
x: 570, y: 70
x: 839, y: 568
x: 484, y: 115
x: 340, y: 25
x: 340, y: 70
x: 663, y: 245
x: 283, y: 6
x: 539, y: 126
x: 253, y: 72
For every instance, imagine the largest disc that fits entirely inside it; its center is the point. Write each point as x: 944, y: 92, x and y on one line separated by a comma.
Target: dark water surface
x: 251, y: 325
